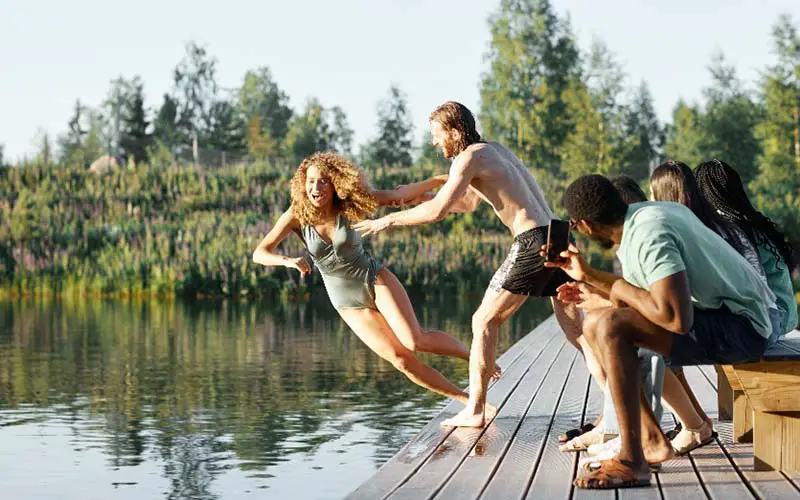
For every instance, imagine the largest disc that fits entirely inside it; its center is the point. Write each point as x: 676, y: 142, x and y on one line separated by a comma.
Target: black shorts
x: 717, y: 337
x: 523, y: 271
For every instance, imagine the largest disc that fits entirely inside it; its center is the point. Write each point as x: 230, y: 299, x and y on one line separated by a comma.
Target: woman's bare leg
x: 393, y: 303
x: 680, y: 402
x: 371, y: 327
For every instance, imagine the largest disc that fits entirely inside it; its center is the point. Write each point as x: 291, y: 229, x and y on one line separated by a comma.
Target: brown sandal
x: 612, y: 474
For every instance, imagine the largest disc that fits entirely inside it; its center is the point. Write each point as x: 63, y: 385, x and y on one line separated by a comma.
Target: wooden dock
x: 545, y: 390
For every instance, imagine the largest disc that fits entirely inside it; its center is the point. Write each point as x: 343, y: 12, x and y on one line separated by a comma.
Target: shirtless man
x: 492, y: 173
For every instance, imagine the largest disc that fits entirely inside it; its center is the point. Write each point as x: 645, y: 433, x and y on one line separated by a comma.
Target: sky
x: 345, y: 52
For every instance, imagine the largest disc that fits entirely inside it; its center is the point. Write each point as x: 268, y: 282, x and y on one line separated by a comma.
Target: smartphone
x: 557, y: 239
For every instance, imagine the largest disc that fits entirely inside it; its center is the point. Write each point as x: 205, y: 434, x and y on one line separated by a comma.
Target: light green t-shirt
x: 660, y: 239
x: 780, y: 282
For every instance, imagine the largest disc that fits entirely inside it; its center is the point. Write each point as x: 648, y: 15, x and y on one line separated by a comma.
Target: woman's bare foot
x: 470, y: 418
x: 690, y: 439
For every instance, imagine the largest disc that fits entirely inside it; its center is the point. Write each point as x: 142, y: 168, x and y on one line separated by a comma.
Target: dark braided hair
x: 722, y: 187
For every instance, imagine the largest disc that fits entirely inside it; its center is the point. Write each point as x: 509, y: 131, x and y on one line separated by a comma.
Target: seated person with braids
x: 686, y: 295
x: 723, y: 190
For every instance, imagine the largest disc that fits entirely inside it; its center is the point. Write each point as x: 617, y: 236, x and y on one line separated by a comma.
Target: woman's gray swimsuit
x: 349, y: 271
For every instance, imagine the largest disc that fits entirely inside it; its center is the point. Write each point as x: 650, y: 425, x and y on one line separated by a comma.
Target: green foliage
x: 224, y: 128
x: 646, y: 134
x: 162, y: 230
x: 260, y: 96
x: 392, y: 146
x: 684, y: 135
x: 127, y: 99
x: 195, y: 90
x: 729, y: 120
x: 533, y: 60
x: 165, y: 124
x: 779, y: 131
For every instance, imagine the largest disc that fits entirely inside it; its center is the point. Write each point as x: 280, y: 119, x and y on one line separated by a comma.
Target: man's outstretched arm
x: 430, y: 211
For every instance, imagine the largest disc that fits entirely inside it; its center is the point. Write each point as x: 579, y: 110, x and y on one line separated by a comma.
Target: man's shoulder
x: 653, y: 212
x: 645, y: 219
x: 485, y: 153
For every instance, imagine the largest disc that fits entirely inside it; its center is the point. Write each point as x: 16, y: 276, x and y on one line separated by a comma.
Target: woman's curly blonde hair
x: 352, y: 195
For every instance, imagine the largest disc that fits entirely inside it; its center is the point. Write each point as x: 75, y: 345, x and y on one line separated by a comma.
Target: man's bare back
x: 502, y: 181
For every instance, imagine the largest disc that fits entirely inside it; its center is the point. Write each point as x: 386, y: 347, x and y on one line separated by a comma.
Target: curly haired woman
x: 328, y: 194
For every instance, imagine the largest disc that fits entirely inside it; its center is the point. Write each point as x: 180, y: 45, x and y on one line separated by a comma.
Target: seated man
x: 686, y: 294
x: 594, y: 438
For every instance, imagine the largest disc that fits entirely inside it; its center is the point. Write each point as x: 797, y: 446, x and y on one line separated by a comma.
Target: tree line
x: 564, y: 111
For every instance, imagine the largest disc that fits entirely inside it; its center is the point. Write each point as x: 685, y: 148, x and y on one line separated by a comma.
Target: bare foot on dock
x: 657, y: 452
x: 469, y: 418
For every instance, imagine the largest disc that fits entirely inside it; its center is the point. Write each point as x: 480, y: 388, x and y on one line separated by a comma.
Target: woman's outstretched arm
x: 264, y: 253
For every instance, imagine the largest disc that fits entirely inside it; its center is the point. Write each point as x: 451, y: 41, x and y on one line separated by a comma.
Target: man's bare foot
x: 657, y: 452
x: 469, y: 418
x: 489, y: 412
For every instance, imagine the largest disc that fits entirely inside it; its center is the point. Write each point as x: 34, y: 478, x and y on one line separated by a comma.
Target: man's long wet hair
x: 455, y: 116
x: 723, y: 189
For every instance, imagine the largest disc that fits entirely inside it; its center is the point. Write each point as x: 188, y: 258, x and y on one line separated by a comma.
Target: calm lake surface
x: 114, y: 399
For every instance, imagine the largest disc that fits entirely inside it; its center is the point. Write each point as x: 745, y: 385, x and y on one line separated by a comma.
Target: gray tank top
x: 344, y: 257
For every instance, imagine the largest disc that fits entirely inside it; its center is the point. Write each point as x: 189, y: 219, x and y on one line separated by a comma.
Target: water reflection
x: 206, y: 400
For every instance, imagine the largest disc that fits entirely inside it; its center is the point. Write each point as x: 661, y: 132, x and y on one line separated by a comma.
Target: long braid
x: 722, y: 187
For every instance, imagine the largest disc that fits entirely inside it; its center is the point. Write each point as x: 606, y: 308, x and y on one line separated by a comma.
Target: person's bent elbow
x: 680, y: 323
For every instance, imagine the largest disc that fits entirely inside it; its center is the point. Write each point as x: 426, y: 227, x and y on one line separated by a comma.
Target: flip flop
x: 612, y: 474
x: 693, y: 446
x: 674, y: 432
x: 573, y: 433
x: 582, y: 442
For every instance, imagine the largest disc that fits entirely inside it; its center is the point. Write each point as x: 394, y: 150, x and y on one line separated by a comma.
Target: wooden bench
x: 764, y: 400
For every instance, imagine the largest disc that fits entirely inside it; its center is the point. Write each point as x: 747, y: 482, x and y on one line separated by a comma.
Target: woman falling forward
x: 328, y: 194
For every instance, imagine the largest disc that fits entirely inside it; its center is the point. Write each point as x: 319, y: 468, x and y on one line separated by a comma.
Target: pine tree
x: 308, y: 132
x: 135, y: 139
x: 392, y: 146
x: 729, y: 120
x: 71, y: 142
x: 684, y: 135
x: 598, y: 141
x: 260, y: 96
x: 777, y: 185
x: 779, y: 131
x: 225, y: 129
x: 165, y: 125
x: 643, y: 126
x: 341, y: 133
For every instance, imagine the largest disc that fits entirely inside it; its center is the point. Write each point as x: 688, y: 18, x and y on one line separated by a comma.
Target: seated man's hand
x: 571, y: 262
x: 585, y: 296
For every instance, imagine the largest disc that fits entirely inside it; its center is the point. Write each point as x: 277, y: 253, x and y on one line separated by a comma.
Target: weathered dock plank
x: 545, y: 390
x: 411, y: 457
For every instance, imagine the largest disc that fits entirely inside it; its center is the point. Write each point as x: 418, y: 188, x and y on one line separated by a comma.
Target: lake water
x: 112, y: 399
